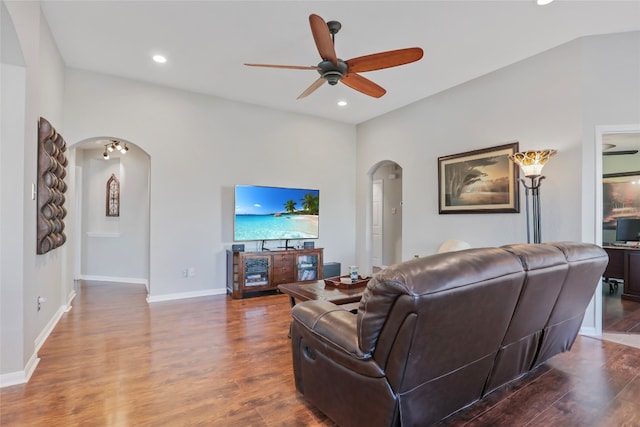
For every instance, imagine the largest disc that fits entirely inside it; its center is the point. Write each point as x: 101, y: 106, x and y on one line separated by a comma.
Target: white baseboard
x: 183, y: 295
x: 158, y: 298
x: 32, y: 364
x: 13, y: 378
x: 591, y: 331
x: 40, y: 339
x: 21, y: 377
x: 123, y: 280
x: 70, y: 297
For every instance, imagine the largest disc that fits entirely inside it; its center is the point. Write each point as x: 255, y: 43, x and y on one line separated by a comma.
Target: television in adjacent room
x: 275, y: 213
x: 628, y: 230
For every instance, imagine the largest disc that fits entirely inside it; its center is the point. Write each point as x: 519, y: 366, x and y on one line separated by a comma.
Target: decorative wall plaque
x: 51, y: 188
x: 113, y: 196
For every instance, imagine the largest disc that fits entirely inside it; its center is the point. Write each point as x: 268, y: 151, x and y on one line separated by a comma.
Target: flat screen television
x: 275, y: 213
x: 628, y: 230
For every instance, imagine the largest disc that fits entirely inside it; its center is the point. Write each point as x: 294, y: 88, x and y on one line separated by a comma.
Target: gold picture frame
x: 479, y: 181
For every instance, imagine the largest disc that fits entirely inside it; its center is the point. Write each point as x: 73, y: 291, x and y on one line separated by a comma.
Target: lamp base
x: 533, y: 221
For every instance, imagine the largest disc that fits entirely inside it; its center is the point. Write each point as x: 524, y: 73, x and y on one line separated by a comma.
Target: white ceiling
x: 207, y: 42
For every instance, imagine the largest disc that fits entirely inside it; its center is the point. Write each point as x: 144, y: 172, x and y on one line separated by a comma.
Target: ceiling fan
x: 333, y: 69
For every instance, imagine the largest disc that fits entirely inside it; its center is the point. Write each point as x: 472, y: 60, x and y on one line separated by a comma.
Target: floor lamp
x: 531, y: 164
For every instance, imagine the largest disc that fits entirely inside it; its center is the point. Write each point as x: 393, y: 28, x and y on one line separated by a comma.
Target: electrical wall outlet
x: 191, y: 272
x: 185, y: 272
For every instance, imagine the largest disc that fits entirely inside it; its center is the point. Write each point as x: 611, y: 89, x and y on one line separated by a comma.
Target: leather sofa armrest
x: 331, y: 330
x: 334, y: 325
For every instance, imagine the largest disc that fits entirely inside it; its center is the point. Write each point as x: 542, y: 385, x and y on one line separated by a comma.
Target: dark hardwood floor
x: 115, y: 360
x: 618, y: 315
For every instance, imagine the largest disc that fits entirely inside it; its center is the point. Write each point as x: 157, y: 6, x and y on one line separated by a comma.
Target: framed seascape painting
x: 620, y: 197
x: 480, y: 181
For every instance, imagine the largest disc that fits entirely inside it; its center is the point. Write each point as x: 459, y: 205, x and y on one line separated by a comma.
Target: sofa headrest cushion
x: 422, y: 277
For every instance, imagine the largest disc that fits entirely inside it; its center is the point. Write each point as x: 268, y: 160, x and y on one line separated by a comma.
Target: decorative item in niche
x: 479, y: 181
x: 113, y: 196
x: 621, y: 197
x: 51, y: 188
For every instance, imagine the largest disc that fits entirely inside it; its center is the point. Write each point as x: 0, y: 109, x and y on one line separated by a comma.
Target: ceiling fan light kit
x: 331, y: 72
x: 334, y: 70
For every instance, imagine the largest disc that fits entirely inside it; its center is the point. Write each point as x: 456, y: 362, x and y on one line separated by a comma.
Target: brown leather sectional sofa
x: 435, y: 334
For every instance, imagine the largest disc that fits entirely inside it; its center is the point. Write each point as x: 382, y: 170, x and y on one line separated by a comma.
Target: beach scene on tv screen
x: 274, y: 213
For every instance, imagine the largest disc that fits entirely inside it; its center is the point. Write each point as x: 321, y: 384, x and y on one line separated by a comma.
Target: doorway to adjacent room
x: 617, y: 153
x: 386, y: 215
x: 111, y: 245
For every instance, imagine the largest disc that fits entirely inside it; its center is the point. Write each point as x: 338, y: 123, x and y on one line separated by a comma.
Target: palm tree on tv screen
x: 311, y: 203
x: 290, y: 206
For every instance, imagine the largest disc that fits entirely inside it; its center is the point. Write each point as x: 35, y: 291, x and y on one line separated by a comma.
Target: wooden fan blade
x: 291, y: 67
x: 381, y: 60
x: 315, y: 85
x: 322, y: 37
x: 364, y: 85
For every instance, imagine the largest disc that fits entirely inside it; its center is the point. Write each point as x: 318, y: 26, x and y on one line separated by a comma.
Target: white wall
x: 115, y: 248
x: 611, y: 86
x: 552, y: 100
x: 200, y: 147
x: 538, y: 102
x: 12, y: 81
x: 42, y: 84
x: 535, y: 102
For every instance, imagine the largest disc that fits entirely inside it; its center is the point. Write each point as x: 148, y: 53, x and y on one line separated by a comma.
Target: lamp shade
x: 532, y: 162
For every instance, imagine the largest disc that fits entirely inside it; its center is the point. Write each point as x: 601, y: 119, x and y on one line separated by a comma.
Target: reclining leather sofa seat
x: 435, y: 334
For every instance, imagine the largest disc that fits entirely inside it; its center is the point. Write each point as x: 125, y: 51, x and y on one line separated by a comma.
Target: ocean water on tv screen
x: 271, y: 227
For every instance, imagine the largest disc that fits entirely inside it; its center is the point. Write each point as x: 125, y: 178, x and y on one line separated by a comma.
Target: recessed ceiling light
x: 543, y: 2
x: 342, y: 103
x: 159, y: 59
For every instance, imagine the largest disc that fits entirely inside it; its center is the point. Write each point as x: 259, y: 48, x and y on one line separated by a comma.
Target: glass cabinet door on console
x: 247, y: 272
x: 256, y: 271
x: 307, y: 267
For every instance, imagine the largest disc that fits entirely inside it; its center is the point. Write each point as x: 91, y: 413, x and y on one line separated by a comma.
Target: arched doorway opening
x: 386, y: 215
x: 112, y: 222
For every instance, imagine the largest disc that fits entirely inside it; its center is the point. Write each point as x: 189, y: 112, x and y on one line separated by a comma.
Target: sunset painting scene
x: 479, y: 181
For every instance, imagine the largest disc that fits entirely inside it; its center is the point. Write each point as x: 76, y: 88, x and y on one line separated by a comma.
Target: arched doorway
x: 111, y: 241
x: 386, y: 215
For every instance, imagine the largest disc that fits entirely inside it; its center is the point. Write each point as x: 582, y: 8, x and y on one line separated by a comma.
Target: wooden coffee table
x: 348, y: 298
